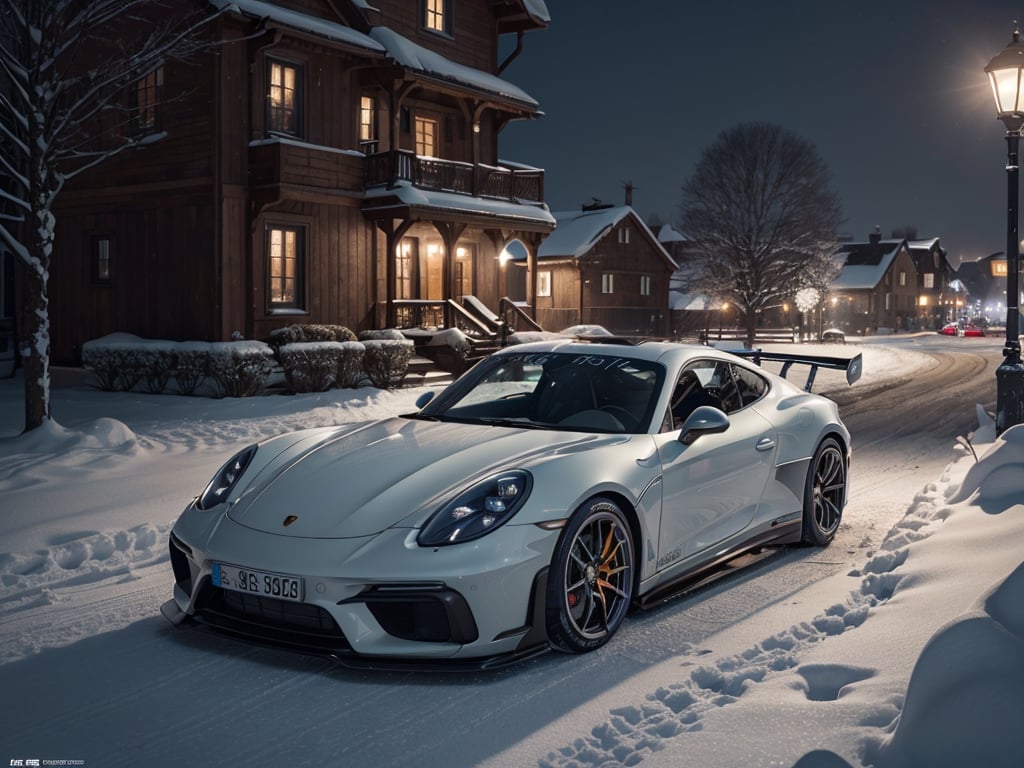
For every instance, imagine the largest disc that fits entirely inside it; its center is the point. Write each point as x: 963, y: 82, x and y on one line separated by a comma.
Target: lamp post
x: 1006, y: 73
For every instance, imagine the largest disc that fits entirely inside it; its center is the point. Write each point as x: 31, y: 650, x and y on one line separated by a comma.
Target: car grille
x: 267, y: 619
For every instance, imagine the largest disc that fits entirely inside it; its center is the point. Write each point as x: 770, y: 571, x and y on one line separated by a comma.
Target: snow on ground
x: 921, y: 665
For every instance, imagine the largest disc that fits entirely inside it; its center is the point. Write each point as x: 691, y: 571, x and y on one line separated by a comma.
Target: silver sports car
x: 528, y: 506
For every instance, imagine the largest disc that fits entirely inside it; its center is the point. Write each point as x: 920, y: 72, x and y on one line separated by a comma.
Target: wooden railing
x: 515, y: 316
x: 497, y: 182
x: 438, y: 313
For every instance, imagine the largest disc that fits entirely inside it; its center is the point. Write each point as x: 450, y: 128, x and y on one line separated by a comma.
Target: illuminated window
x: 929, y: 280
x: 437, y: 16
x: 285, y: 267
x: 101, y: 254
x: 607, y: 282
x: 368, y: 122
x: 426, y: 137
x: 543, y: 283
x: 903, y: 278
x: 147, y: 96
x: 283, y: 91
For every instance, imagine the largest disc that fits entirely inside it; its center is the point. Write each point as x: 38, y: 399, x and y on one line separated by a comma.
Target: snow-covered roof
x: 301, y: 21
x: 538, y: 9
x: 404, y: 193
x: 668, y: 234
x: 578, y: 231
x: 423, y: 60
x: 865, y: 264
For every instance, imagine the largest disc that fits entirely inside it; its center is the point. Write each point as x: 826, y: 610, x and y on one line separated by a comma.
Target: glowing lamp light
x: 1006, y: 74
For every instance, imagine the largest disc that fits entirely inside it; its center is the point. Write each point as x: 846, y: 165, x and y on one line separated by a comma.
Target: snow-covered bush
x: 350, y: 363
x: 385, y: 334
x: 193, y: 362
x: 157, y: 360
x: 240, y: 368
x: 308, y: 332
x: 312, y: 366
x: 386, y: 361
x: 115, y: 360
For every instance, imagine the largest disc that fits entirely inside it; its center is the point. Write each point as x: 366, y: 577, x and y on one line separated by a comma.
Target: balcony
x: 309, y: 168
x: 430, y: 173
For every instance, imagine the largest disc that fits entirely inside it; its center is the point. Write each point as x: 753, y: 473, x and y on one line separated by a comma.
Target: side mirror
x: 705, y: 420
x: 425, y: 398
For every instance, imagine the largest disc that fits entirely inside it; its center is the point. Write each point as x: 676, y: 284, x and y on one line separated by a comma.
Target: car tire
x: 824, y: 494
x: 590, y: 586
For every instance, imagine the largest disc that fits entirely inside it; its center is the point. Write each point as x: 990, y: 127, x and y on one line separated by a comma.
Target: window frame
x: 645, y: 285
x: 298, y: 303
x: 146, y: 99
x: 544, y: 283
x: 273, y: 114
x: 436, y: 17
x: 607, y: 283
x: 101, y: 258
x: 419, y: 137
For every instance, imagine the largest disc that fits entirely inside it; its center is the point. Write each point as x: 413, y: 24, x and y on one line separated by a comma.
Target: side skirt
x: 727, y: 562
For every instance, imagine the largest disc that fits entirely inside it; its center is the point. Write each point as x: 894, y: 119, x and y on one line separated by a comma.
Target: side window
x: 695, y: 387
x: 751, y: 385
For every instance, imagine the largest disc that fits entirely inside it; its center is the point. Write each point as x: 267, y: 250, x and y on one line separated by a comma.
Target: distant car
x: 833, y: 336
x: 955, y: 329
x: 528, y: 506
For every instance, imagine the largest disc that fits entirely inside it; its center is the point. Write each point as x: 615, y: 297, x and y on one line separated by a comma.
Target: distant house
x: 333, y: 161
x: 602, y: 265
x: 877, y: 289
x: 936, y: 299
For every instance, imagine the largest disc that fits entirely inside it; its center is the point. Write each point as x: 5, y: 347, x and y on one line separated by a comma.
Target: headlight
x: 219, y: 488
x: 477, y: 511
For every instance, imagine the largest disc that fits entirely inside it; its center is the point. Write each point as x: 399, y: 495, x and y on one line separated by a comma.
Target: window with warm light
x: 929, y: 280
x: 284, y: 267
x: 903, y: 278
x: 368, y: 121
x: 437, y: 16
x: 426, y: 137
x: 543, y: 283
x: 101, y: 259
x: 283, y: 98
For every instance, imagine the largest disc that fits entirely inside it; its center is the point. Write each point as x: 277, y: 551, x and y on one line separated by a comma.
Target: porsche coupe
x: 529, y: 505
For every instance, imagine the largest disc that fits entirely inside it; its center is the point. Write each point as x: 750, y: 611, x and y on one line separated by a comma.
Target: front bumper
x: 372, y: 601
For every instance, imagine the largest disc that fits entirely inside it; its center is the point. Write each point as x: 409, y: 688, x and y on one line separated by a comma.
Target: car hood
x: 358, y: 482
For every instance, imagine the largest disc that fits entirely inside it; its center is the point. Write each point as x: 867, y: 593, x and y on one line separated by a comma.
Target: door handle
x: 765, y: 444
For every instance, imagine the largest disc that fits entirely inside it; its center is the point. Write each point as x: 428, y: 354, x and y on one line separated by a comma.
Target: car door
x: 712, y: 487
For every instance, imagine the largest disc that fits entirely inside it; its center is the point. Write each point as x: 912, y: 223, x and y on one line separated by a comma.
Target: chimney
x: 629, y: 193
x: 876, y: 236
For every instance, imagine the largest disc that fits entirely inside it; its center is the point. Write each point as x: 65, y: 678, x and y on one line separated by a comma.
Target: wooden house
x: 936, y: 299
x: 331, y: 161
x: 603, y: 266
x: 877, y: 289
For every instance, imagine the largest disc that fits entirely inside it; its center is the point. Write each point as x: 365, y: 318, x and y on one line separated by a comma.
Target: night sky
x: 892, y: 94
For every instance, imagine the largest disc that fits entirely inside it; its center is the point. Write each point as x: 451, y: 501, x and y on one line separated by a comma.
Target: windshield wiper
x: 515, y: 424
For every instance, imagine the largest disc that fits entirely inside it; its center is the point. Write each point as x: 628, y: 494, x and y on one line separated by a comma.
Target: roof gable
x: 577, y: 232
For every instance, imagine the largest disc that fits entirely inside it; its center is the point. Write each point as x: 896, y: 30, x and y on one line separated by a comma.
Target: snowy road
x: 157, y: 696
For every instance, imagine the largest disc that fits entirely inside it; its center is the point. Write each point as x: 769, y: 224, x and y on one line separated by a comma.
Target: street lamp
x: 1006, y: 73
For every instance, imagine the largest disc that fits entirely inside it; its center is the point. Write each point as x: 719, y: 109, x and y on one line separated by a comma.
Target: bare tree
x: 66, y: 70
x: 760, y: 210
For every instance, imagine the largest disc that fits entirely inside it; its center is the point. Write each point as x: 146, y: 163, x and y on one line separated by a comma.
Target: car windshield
x: 555, y: 390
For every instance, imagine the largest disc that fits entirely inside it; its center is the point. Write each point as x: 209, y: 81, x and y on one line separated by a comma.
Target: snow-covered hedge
x: 121, y: 361
x: 318, y: 366
x: 386, y: 360
x: 301, y: 333
x: 240, y: 368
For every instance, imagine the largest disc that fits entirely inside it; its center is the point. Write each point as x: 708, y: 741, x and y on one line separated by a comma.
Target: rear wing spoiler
x: 852, y: 365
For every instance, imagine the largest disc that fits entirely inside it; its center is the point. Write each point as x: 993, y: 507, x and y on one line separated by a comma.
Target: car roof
x: 653, y: 351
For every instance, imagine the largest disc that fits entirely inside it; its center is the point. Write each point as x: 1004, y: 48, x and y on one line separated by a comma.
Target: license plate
x: 257, y: 582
